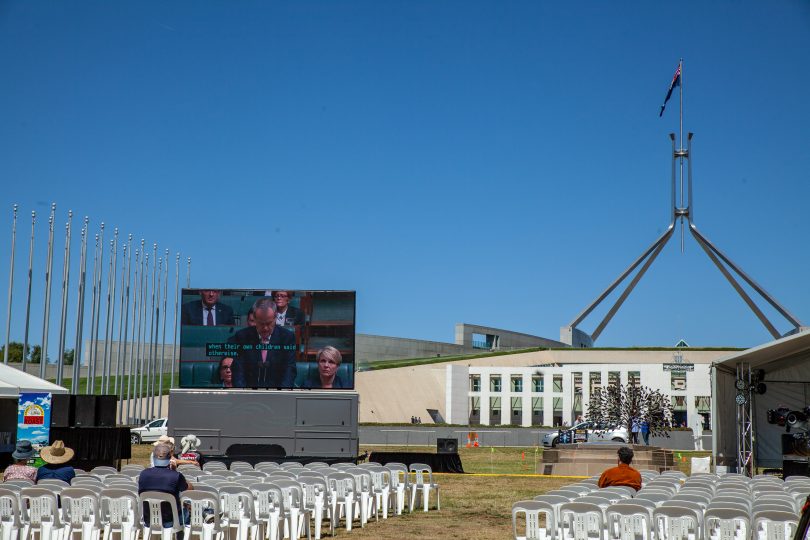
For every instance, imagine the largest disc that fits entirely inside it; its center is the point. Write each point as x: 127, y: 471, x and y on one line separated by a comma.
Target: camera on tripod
x: 791, y: 420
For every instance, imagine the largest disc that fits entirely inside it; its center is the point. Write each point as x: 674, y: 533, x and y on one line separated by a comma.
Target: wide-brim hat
x: 164, y: 439
x: 23, y: 450
x: 56, y: 453
x: 190, y: 442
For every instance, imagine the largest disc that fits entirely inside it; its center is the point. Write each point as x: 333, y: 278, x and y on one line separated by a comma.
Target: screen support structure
x: 682, y: 211
x: 745, y: 422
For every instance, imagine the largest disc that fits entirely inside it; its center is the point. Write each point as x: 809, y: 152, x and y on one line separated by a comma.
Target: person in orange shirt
x: 623, y: 474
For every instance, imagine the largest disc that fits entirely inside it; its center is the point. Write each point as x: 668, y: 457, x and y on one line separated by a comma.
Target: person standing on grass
x: 645, y: 432
x: 623, y: 474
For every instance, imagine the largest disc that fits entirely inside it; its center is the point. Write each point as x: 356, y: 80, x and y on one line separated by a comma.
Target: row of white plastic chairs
x: 669, y: 506
x: 288, y: 497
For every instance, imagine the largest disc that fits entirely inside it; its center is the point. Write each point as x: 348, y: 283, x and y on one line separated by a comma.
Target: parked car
x: 149, y: 432
x: 603, y: 434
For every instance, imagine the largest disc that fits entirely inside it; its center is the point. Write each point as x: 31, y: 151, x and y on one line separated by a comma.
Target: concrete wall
x: 502, y: 339
x: 369, y: 348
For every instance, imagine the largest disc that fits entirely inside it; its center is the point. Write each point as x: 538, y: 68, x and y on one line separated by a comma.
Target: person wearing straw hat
x: 20, y: 470
x: 55, y: 457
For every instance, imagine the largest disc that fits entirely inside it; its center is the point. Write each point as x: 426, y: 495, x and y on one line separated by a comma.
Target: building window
x: 679, y: 412
x: 633, y: 378
x: 557, y: 405
x: 495, y: 408
x: 595, y: 381
x: 703, y: 406
x: 537, y: 382
x: 557, y: 381
x: 517, y: 410
x: 475, y: 383
x: 516, y: 383
x: 495, y: 383
x: 678, y: 379
x: 537, y: 411
x: 475, y: 410
x: 614, y: 378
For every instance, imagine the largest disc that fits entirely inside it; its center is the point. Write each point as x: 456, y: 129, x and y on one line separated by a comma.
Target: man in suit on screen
x: 207, y: 311
x: 266, y: 358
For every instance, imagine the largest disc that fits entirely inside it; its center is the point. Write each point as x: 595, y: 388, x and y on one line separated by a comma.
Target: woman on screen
x: 328, y: 360
x: 225, y: 372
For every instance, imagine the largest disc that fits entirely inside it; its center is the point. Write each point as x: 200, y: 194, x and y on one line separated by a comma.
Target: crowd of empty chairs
x: 268, y: 501
x: 669, y: 506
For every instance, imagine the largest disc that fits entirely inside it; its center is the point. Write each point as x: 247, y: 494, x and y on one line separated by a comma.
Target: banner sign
x: 34, y: 418
x: 679, y: 367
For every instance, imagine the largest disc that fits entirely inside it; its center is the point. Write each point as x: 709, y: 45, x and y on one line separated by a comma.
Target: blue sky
x: 484, y: 162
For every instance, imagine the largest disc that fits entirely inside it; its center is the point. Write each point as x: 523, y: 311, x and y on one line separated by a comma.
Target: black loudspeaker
x: 85, y: 413
x: 62, y: 408
x: 106, y: 407
x: 794, y: 468
x: 446, y: 446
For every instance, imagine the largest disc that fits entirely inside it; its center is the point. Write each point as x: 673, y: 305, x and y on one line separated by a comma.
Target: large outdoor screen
x: 267, y: 338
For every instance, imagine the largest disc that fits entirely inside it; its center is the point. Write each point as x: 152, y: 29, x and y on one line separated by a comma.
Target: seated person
x: 224, y: 375
x: 623, y: 474
x: 20, y: 470
x: 55, y: 456
x: 174, y: 459
x: 189, y: 445
x: 207, y: 311
x: 329, y: 360
x: 287, y: 315
x: 162, y: 478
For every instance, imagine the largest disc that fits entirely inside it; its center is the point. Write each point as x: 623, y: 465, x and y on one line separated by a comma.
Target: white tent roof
x: 13, y: 381
x: 774, y: 354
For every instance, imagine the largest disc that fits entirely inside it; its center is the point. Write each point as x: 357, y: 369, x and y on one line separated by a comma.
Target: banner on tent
x: 34, y: 418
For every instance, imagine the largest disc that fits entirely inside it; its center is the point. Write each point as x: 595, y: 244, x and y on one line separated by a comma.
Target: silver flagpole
x: 163, y: 348
x: 176, y: 310
x: 142, y: 329
x: 108, y: 331
x: 131, y: 351
x: 148, y: 397
x: 122, y: 329
x: 88, y: 389
x: 153, y: 355
x: 60, y: 360
x: 10, y: 284
x: 97, y: 285
x: 46, y: 319
x: 28, y: 301
x: 188, y: 274
x: 77, y: 351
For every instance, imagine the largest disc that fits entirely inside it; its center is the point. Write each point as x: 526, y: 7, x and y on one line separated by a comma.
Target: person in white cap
x: 189, y: 450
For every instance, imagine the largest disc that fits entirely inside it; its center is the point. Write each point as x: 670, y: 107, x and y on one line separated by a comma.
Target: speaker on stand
x: 446, y: 446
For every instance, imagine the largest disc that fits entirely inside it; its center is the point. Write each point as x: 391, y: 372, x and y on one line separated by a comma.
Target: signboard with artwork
x: 34, y: 418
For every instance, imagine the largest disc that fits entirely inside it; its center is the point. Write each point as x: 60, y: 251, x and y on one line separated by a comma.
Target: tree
x: 35, y: 354
x: 619, y: 405
x: 68, y: 356
x: 15, y: 352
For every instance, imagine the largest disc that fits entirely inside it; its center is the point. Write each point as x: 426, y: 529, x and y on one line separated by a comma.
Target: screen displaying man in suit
x: 207, y: 311
x: 287, y: 315
x: 267, y: 356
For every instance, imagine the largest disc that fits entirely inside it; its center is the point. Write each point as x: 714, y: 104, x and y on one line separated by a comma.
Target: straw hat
x: 56, y: 454
x: 164, y: 439
x: 190, y: 443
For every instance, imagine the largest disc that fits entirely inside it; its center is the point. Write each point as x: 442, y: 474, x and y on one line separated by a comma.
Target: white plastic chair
x: 656, y: 498
x: 726, y: 523
x: 532, y: 528
x: 103, y: 471
x: 42, y: 511
x: 555, y: 502
x: 774, y: 525
x: 423, y: 484
x: 380, y: 489
x: 581, y: 521
x: 629, y: 521
x: 12, y: 516
x: 80, y: 513
x: 343, y: 498
x: 316, y: 498
x: 399, y: 485
x: 269, y: 506
x: 238, y: 511
x: 676, y: 523
x: 626, y: 491
x: 120, y: 512
x: 154, y: 519
x: 204, y: 514
x: 292, y: 465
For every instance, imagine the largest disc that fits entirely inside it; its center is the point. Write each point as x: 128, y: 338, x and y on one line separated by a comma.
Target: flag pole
x: 30, y: 278
x: 60, y: 361
x: 163, y: 348
x: 123, y: 323
x: 680, y: 148
x: 110, y: 322
x: 150, y: 355
x: 130, y: 353
x: 46, y: 319
x: 176, y: 309
x: 156, y: 326
x: 77, y: 351
x: 91, y: 365
x: 10, y: 284
x: 142, y: 329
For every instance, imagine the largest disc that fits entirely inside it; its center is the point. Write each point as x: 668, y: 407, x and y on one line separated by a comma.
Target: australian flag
x: 676, y: 81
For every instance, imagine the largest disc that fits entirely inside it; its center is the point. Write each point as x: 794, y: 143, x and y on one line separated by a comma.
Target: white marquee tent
x: 13, y: 381
x: 786, y: 366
